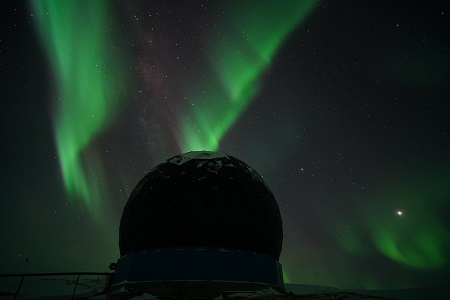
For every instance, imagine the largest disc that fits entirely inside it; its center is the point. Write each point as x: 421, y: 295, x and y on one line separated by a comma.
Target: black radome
x: 202, y: 199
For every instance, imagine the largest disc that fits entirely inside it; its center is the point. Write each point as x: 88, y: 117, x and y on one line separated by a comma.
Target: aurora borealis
x: 341, y: 106
x: 77, y: 38
x: 238, y: 58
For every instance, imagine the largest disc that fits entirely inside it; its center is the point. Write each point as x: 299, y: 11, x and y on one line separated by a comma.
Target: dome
x: 201, y: 199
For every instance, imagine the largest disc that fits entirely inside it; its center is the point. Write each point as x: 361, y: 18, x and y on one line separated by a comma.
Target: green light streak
x: 422, y: 250
x: 78, y: 41
x: 419, y: 238
x: 286, y: 277
x: 239, y: 57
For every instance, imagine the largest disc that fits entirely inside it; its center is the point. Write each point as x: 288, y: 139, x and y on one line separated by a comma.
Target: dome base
x: 200, y: 272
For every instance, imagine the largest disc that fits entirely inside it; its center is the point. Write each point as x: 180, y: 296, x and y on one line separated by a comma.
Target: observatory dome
x: 201, y: 199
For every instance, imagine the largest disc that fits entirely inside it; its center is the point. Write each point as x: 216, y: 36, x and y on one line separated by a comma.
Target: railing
x: 10, y: 289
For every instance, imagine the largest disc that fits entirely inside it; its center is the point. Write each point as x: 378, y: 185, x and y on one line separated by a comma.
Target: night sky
x: 342, y: 106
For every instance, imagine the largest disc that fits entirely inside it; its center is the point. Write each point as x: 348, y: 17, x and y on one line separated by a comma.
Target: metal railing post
x: 75, y: 288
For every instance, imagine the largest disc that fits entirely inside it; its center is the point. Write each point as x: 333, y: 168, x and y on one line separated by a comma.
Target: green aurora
x: 77, y: 37
x: 418, y: 238
x: 238, y: 59
x: 86, y: 68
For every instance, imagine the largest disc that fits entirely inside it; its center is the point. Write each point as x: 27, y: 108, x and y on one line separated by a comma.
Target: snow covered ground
x: 55, y: 288
x: 51, y: 287
x: 324, y: 292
